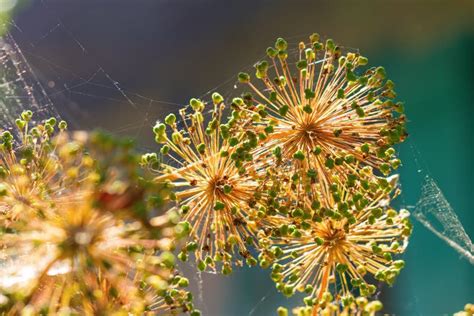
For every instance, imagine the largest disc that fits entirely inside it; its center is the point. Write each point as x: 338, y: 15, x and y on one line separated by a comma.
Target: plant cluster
x: 294, y: 175
x: 81, y: 230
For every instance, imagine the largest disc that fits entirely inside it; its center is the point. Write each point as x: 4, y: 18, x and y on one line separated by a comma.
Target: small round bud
x: 183, y: 282
x: 165, y: 150
x: 217, y: 98
x: 299, y: 155
x: 170, y: 119
x: 27, y: 115
x: 243, y: 77
x: 51, y: 121
x: 281, y: 311
x: 281, y: 44
x: 219, y: 206
x: 62, y: 125
x: 313, y: 38
x: 196, y: 104
x: 271, y: 52
x: 201, y: 265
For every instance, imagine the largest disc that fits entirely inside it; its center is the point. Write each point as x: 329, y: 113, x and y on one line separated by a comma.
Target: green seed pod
x: 196, y: 104
x: 177, y: 137
x: 62, y: 125
x: 314, y: 38
x: 374, y: 306
x: 277, y: 152
x: 170, y: 119
x: 318, y: 46
x: 299, y: 155
x: 327, y: 297
x: 20, y: 123
x: 27, y: 115
x: 399, y: 264
x: 284, y: 110
x: 201, y: 148
x: 201, y: 265
x: 360, y: 112
x: 310, y: 55
x: 218, y: 206
x: 227, y: 189
x: 311, y: 173
x: 319, y: 241
x: 183, y: 282
x: 183, y: 228
x: 385, y: 168
x: 307, y: 108
x: 365, y: 148
x: 362, y: 61
x: 217, y: 98
x: 271, y: 52
x: 233, y: 141
x: 282, y: 54
x: 288, y: 290
x: 308, y: 300
x: 302, y: 64
x: 269, y: 129
x: 330, y: 46
x: 281, y: 311
x: 341, y: 268
x: 297, y: 213
x: 182, y: 256
x: 329, y: 163
x: 51, y: 121
x: 309, y: 94
x: 165, y: 150
x: 3, y: 190
x: 159, y: 128
x: 262, y: 66
x: 351, y: 76
x: 380, y: 73
x: 225, y: 131
x: 243, y: 77
x: 281, y: 44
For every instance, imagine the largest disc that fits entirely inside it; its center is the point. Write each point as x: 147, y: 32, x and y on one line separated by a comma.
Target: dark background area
x: 121, y: 65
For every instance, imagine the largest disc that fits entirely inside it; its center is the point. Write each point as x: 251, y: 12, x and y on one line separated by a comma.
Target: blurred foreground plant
x: 75, y: 225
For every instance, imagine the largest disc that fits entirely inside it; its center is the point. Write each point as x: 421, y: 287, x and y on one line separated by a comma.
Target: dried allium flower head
x: 324, y: 113
x: 215, y: 182
x: 87, y: 246
x: 28, y: 170
x: 83, y: 261
x: 358, y: 307
x: 329, y: 250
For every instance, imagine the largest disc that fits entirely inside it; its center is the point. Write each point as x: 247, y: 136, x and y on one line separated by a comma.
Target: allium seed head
x: 210, y: 166
x: 325, y: 113
x: 76, y: 228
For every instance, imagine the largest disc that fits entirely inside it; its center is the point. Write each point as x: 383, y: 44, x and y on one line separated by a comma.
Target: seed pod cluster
x: 81, y: 227
x: 298, y: 170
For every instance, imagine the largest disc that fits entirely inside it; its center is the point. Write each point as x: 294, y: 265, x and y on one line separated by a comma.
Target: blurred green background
x: 121, y: 65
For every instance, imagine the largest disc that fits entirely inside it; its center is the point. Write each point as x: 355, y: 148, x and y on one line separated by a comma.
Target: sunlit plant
x: 215, y: 182
x: 360, y: 306
x: 318, y: 111
x: 81, y: 228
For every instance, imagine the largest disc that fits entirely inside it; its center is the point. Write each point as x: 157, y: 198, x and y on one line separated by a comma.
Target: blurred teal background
x: 121, y: 65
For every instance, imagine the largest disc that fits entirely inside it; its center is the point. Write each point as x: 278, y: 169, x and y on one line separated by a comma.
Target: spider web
x: 22, y: 88
x: 19, y: 87
x: 436, y: 214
